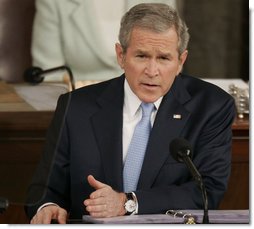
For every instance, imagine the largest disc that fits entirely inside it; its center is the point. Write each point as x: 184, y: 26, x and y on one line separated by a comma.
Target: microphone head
x: 4, y: 204
x: 32, y: 75
x: 180, y: 148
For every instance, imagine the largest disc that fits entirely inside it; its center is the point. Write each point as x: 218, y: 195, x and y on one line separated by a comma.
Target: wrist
x: 123, y: 201
x: 47, y: 204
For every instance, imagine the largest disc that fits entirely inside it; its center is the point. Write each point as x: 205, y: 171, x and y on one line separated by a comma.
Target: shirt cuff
x: 46, y: 204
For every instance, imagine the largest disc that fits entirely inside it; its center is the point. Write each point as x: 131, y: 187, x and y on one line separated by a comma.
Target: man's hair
x: 156, y: 17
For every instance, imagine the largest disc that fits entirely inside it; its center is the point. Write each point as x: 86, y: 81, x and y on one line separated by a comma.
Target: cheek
x: 134, y: 67
x: 174, y: 68
x: 133, y: 71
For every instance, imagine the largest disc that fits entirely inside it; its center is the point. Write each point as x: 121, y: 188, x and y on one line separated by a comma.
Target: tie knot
x: 147, y: 109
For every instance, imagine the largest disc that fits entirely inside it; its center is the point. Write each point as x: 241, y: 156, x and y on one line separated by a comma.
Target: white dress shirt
x: 132, y: 114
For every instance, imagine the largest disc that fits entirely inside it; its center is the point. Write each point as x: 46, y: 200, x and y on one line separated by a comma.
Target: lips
x: 149, y: 85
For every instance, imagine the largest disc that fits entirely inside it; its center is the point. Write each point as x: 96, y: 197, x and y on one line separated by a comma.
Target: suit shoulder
x: 90, y: 93
x: 95, y: 89
x: 208, y: 98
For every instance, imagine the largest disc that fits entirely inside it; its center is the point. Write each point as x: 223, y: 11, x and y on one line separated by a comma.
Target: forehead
x: 144, y: 38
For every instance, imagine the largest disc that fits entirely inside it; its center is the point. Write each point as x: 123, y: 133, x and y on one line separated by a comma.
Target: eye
x: 141, y: 56
x: 164, y: 58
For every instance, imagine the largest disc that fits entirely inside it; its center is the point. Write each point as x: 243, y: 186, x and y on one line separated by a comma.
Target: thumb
x: 95, y: 183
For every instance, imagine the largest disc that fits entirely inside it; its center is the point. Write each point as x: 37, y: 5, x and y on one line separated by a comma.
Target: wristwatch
x: 130, y: 204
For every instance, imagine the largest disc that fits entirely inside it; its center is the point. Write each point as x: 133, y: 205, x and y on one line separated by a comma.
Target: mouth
x: 149, y: 85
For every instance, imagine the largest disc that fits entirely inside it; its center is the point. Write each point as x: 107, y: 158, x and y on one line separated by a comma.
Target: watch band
x: 129, y: 196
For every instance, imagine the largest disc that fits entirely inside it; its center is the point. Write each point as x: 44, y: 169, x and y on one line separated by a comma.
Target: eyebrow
x: 160, y: 53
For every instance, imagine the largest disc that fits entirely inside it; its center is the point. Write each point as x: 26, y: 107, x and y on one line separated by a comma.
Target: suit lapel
x: 107, y: 124
x: 170, y: 120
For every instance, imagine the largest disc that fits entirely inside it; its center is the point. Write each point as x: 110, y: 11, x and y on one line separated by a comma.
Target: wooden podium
x: 22, y: 136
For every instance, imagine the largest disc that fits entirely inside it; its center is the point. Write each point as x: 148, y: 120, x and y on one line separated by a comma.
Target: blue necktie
x: 137, y: 149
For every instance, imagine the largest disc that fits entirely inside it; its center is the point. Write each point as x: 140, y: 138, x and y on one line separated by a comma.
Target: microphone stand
x: 35, y: 74
x: 64, y: 67
x: 205, y: 201
x: 198, y: 178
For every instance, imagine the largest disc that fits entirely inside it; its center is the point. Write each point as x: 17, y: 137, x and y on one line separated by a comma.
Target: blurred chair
x: 16, y: 20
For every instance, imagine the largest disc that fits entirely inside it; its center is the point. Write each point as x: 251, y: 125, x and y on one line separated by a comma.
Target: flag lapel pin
x: 177, y: 116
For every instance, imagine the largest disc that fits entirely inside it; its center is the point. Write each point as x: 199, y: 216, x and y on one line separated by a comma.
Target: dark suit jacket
x: 89, y: 121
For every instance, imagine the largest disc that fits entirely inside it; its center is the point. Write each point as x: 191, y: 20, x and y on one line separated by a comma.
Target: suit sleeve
x: 41, y: 190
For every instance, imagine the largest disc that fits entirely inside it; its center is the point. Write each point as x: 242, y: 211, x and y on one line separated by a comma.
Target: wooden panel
x: 237, y: 195
x: 7, y: 94
x: 14, y: 215
x: 10, y: 100
x: 24, y: 124
x: 22, y: 137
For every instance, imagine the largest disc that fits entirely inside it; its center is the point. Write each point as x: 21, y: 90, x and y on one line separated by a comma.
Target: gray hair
x: 156, y: 17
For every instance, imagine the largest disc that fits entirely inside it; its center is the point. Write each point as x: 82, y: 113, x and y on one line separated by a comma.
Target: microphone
x: 4, y: 204
x: 35, y: 75
x: 181, y: 151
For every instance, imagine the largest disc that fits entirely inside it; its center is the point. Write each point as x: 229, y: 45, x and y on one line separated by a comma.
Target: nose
x: 152, y: 69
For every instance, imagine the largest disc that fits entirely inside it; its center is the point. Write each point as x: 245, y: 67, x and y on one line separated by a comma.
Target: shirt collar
x: 132, y: 102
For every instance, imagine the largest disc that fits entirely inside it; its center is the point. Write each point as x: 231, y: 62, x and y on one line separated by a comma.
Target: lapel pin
x: 177, y: 116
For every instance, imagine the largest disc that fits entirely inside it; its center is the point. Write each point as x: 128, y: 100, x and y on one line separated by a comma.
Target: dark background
x: 219, y: 44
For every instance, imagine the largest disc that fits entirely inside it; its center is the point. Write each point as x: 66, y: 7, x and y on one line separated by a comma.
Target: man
x: 97, y: 125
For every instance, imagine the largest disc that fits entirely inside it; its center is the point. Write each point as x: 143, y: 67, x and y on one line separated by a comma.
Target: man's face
x: 151, y: 62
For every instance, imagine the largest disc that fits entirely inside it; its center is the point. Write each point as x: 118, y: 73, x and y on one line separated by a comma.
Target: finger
x: 46, y: 219
x: 46, y: 214
x: 94, y: 201
x: 95, y: 183
x: 41, y: 219
x: 96, y: 208
x: 62, y: 216
x: 98, y: 194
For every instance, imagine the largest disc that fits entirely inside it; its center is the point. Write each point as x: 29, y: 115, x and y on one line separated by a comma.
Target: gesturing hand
x: 104, y: 202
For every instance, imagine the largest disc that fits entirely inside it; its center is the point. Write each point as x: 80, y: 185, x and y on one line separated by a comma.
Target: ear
x: 119, y: 55
x: 182, y: 59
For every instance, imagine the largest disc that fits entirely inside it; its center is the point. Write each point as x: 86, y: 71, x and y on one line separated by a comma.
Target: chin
x: 149, y: 99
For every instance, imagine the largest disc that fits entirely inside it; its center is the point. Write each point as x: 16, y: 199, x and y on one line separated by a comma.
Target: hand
x: 46, y: 214
x: 104, y: 202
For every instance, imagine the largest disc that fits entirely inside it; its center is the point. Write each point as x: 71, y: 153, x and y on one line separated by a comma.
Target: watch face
x: 130, y: 206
